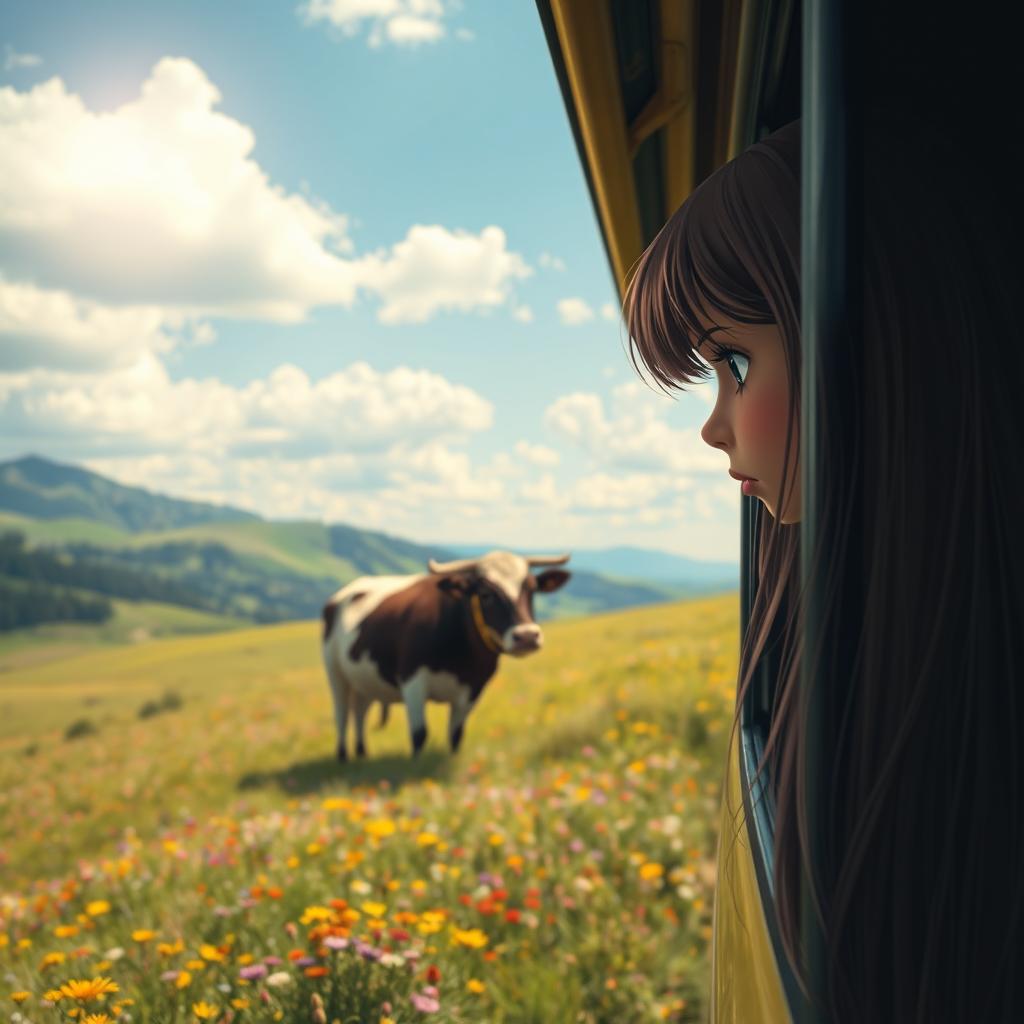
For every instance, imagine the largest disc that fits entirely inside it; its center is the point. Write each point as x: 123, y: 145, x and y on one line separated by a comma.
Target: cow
x: 435, y: 636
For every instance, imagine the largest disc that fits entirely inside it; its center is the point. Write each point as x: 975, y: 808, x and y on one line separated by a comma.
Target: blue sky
x: 333, y: 260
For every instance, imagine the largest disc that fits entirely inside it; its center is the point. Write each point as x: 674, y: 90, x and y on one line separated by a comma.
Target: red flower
x: 512, y: 915
x: 433, y: 974
x: 499, y: 895
x: 465, y: 899
x: 400, y: 935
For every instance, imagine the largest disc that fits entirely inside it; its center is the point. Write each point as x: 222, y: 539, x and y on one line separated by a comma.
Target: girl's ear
x: 456, y: 584
x: 551, y: 579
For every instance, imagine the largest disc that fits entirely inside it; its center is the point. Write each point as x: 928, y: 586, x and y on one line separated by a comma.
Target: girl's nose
x: 715, y: 431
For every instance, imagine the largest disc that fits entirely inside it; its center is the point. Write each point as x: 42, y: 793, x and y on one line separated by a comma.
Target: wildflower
x: 204, y: 1011
x: 315, y: 971
x: 433, y: 974
x: 143, y: 935
x: 53, y: 996
x: 20, y: 997
x: 86, y: 991
x: 336, y: 942
x: 170, y: 948
x: 424, y: 1003
x: 474, y: 938
x: 183, y: 980
x: 97, y: 908
x: 211, y: 953
x: 374, y: 909
x: 96, y: 1018
x: 475, y: 986
x: 379, y: 828
x: 253, y: 972
x: 651, y: 871
x: 279, y: 979
x: 311, y: 914
x: 64, y: 931
x: 52, y: 959
x: 115, y: 953
x: 240, y: 1004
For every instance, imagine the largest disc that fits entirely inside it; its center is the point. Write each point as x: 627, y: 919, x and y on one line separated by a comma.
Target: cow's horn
x: 456, y: 566
x: 547, y: 559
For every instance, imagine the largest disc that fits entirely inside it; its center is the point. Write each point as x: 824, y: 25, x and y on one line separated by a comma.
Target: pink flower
x: 424, y: 1003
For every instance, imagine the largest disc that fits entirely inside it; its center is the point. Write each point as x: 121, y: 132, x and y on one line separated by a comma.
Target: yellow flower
x: 53, y: 958
x: 244, y: 958
x: 143, y: 935
x: 311, y: 914
x: 96, y: 1018
x: 427, y: 839
x: 54, y: 995
x: 4, y: 939
x: 97, y: 907
x: 183, y: 980
x: 495, y: 840
x: 195, y: 965
x: 637, y: 766
x: 475, y: 986
x: 380, y: 827
x: 66, y: 931
x: 651, y: 871
x: 211, y: 953
x: 240, y: 1004
x: 86, y: 991
x: 293, y: 862
x: 474, y: 938
x: 204, y: 1011
x: 337, y: 803
x: 374, y: 909
x: 313, y: 849
x: 20, y: 997
x: 170, y: 948
x: 387, y: 1020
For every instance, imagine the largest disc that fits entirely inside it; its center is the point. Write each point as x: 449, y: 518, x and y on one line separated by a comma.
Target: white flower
x: 114, y: 954
x: 279, y: 979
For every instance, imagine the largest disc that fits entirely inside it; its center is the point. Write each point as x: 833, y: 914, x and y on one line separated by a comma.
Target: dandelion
x: 97, y: 908
x: 204, y: 1011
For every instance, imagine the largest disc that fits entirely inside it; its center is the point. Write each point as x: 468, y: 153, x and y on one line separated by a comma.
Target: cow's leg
x: 340, y: 694
x: 360, y: 705
x: 414, y: 695
x: 457, y: 717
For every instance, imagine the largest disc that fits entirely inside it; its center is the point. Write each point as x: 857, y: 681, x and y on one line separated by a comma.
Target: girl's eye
x: 737, y: 362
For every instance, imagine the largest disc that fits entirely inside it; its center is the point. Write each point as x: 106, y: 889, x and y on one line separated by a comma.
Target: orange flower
x: 315, y: 971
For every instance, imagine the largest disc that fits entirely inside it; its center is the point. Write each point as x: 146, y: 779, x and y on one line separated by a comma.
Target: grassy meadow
x: 177, y: 843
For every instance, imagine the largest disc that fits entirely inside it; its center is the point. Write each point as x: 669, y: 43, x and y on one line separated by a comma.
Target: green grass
x: 566, y: 854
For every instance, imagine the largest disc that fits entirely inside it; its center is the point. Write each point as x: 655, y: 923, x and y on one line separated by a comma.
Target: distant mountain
x: 76, y: 536
x: 41, y: 489
x: 660, y: 568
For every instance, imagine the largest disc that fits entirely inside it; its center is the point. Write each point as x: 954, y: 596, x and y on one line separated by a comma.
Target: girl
x: 916, y: 881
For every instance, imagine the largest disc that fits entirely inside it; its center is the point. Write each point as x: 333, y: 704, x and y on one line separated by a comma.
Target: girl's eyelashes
x: 737, y: 362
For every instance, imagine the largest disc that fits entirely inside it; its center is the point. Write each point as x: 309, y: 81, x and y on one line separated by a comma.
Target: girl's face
x: 749, y: 419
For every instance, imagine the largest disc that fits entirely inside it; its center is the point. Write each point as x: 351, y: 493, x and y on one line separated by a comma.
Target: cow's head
x: 497, y: 592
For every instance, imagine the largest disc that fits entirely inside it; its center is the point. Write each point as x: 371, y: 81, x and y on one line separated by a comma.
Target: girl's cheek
x: 763, y: 422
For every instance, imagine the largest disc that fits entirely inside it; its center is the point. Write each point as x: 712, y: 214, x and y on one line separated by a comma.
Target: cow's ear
x: 551, y: 579
x: 457, y: 584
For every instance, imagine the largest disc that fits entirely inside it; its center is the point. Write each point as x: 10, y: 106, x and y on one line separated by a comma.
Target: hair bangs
x: 693, y: 274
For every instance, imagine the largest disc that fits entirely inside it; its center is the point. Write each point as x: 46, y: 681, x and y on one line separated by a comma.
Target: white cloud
x: 610, y: 311
x: 549, y: 262
x: 159, y: 204
x: 436, y: 269
x: 523, y: 314
x: 13, y: 61
x: 403, y: 22
x: 140, y: 409
x: 574, y: 311
x: 465, y: 35
x: 633, y: 434
x: 40, y: 328
x: 537, y: 454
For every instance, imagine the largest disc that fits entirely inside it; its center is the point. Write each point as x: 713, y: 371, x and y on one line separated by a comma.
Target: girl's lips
x: 747, y: 487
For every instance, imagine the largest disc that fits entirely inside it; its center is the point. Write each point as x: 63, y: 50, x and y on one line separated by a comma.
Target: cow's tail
x: 385, y: 709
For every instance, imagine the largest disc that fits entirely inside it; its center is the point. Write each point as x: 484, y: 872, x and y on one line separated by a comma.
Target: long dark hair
x: 733, y: 250
x: 919, y: 880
